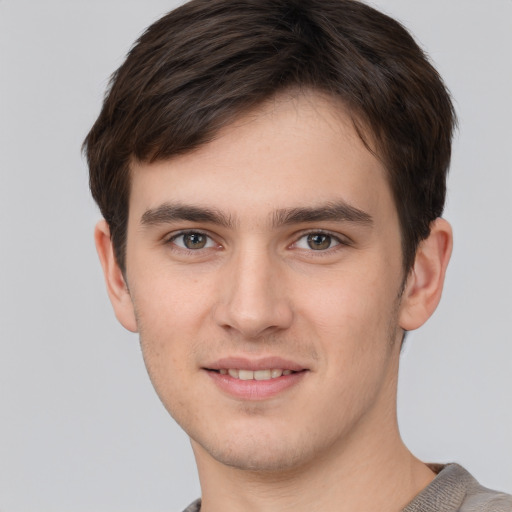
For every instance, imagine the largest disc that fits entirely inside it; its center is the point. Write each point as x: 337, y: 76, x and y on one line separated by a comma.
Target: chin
x: 256, y: 453
x: 261, y: 460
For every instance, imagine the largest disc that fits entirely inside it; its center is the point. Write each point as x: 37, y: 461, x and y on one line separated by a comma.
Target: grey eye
x: 319, y: 241
x: 193, y: 241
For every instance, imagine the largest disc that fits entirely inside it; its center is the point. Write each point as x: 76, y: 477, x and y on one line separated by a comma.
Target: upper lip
x: 265, y: 363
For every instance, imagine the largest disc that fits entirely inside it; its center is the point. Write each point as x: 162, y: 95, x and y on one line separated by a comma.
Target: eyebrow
x: 167, y: 213
x: 334, y: 211
x: 338, y: 211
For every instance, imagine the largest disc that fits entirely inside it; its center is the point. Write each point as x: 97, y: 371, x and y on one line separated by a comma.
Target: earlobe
x: 116, y: 286
x: 424, y: 284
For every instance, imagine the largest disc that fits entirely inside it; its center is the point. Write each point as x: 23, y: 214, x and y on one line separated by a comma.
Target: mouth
x: 236, y: 373
x: 255, y: 380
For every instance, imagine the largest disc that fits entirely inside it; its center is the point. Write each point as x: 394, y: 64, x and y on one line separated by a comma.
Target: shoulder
x: 481, y: 499
x: 455, y: 490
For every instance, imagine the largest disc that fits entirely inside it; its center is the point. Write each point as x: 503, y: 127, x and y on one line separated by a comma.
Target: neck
x: 357, y: 477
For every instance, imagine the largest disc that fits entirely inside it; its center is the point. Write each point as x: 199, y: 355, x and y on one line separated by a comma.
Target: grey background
x: 80, y: 426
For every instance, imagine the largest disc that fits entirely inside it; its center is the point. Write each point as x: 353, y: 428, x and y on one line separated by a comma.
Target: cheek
x: 166, y: 349
x: 168, y: 315
x: 355, y: 325
x: 168, y: 301
x: 352, y: 303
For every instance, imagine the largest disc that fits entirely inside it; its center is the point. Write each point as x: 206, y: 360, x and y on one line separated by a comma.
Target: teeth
x: 262, y: 375
x: 273, y: 373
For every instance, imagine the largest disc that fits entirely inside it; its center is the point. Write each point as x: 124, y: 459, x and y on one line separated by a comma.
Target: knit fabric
x: 455, y: 490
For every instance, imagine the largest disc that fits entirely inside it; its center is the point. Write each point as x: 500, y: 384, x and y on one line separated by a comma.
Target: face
x: 264, y: 273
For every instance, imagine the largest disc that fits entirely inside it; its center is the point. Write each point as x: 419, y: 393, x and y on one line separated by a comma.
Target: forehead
x: 295, y: 150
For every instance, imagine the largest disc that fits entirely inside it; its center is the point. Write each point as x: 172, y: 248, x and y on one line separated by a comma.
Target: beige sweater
x: 455, y: 490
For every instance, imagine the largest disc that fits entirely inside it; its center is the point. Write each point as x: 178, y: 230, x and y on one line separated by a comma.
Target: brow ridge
x: 339, y: 211
x: 167, y: 213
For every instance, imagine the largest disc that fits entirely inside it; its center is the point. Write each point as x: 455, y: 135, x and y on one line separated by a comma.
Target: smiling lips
x: 255, y: 380
x: 255, y: 375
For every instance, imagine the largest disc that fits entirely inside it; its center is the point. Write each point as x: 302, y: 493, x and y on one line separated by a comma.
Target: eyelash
x: 339, y: 242
x: 172, y: 240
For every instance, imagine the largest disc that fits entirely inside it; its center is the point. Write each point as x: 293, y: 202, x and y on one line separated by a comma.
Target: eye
x: 317, y: 242
x: 192, y: 240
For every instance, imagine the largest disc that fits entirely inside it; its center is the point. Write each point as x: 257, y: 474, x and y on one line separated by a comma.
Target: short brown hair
x: 208, y: 61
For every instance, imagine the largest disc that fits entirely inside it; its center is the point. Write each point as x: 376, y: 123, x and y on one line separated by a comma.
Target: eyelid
x: 171, y: 237
x: 342, y: 240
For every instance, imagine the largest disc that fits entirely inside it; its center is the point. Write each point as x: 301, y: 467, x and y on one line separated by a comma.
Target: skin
x: 258, y: 289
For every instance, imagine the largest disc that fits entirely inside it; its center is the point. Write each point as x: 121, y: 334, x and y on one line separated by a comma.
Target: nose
x: 253, y: 297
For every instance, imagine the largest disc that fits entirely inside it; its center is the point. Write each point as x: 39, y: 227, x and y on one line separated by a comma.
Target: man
x: 272, y: 175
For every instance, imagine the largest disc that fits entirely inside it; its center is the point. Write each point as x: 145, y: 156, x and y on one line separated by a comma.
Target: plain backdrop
x: 80, y: 426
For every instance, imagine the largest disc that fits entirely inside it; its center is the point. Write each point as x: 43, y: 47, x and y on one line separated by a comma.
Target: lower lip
x: 255, y: 389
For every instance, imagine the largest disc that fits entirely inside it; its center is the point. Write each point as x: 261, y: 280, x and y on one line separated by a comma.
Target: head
x: 210, y: 61
x: 271, y: 173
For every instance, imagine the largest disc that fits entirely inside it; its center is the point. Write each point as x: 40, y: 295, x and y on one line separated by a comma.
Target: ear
x: 425, y: 281
x: 114, y: 279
